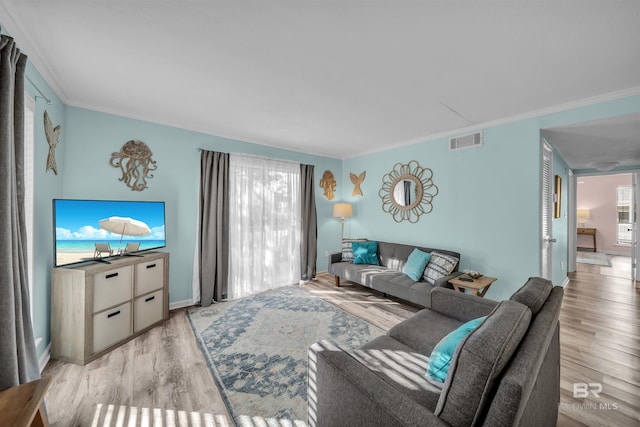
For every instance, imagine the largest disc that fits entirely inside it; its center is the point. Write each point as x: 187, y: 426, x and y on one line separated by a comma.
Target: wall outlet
x: 326, y: 254
x: 562, y: 265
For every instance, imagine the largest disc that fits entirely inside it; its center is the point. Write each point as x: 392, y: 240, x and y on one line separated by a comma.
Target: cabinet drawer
x: 149, y: 276
x: 111, y: 288
x: 147, y: 310
x: 111, y: 326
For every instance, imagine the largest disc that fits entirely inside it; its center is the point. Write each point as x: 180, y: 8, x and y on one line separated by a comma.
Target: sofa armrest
x: 335, y: 257
x: 342, y: 391
x: 459, y: 305
x: 443, y: 282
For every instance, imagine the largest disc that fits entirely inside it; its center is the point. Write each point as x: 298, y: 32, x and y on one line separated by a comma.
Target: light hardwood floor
x: 600, y: 343
x: 161, y: 369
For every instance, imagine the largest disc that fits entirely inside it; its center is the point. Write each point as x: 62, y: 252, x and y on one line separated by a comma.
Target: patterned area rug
x: 595, y: 258
x: 257, y: 347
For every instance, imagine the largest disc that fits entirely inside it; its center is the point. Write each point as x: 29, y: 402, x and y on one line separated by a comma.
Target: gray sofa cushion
x: 358, y: 273
x: 402, y: 286
x: 424, y: 330
x: 533, y: 294
x: 351, y: 394
x: 385, y: 342
x: 403, y: 370
x: 459, y: 305
x: 478, y: 362
x: 395, y: 255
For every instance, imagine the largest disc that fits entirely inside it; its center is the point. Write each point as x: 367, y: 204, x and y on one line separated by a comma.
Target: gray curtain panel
x: 309, y: 235
x: 18, y: 359
x: 214, y: 226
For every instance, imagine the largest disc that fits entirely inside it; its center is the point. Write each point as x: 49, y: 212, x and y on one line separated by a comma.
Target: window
x: 29, y: 108
x: 264, y: 224
x: 623, y: 212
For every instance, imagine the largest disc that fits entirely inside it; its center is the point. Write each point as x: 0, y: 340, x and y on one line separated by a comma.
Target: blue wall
x: 92, y: 137
x: 488, y: 206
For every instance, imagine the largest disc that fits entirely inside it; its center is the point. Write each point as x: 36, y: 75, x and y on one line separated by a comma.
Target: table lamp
x: 583, y: 214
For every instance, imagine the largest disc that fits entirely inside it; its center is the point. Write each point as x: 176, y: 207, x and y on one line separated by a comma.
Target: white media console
x: 95, y: 307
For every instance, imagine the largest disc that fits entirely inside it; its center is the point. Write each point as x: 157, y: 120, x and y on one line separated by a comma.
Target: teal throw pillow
x: 365, y: 253
x: 416, y: 263
x: 441, y: 356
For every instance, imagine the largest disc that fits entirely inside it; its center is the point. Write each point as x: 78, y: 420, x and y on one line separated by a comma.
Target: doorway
x: 605, y: 206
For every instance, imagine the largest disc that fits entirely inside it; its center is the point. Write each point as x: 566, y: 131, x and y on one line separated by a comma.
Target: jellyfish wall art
x: 135, y: 162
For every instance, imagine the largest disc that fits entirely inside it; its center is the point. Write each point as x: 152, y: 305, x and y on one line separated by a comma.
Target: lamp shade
x: 342, y: 210
x: 583, y: 213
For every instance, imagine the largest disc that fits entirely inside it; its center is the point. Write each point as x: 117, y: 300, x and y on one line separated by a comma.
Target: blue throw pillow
x: 365, y: 253
x: 416, y: 263
x: 441, y: 356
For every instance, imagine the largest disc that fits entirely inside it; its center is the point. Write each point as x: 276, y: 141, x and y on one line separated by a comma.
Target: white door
x: 547, y: 205
x: 635, y: 251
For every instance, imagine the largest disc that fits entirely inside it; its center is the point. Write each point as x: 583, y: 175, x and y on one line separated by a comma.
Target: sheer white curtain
x: 264, y: 224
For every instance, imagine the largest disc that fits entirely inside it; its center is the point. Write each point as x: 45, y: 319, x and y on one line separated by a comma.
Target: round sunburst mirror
x: 407, y: 191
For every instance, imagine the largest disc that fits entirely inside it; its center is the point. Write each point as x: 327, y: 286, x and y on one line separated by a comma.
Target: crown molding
x: 203, y: 130
x: 14, y: 29
x: 585, y: 102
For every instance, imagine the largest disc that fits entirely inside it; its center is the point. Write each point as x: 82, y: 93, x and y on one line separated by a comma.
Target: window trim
x: 629, y: 189
x: 29, y: 177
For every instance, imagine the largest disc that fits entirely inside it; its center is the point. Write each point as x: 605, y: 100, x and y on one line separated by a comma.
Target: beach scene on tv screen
x: 87, y: 229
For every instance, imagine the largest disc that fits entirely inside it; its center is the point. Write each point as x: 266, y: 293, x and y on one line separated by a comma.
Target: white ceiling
x: 586, y: 145
x: 336, y: 78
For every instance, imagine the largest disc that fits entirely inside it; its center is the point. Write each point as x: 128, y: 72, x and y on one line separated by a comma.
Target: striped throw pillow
x: 440, y: 265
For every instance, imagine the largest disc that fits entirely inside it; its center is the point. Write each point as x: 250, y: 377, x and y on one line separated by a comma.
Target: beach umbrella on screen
x: 124, y: 227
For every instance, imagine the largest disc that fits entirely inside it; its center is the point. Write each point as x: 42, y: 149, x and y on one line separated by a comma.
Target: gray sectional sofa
x: 388, y: 277
x: 504, y: 373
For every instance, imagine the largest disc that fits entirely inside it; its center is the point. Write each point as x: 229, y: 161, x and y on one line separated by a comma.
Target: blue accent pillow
x: 416, y: 263
x: 442, y: 353
x: 365, y: 253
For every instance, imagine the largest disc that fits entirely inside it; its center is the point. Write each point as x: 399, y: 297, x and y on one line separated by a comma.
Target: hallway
x: 600, y: 347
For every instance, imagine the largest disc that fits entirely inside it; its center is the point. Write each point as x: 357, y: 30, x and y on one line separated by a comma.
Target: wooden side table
x: 21, y: 406
x: 588, y: 232
x: 478, y: 287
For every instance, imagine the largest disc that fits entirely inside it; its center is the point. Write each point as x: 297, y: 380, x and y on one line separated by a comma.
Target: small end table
x: 590, y: 232
x: 478, y: 287
x: 21, y: 406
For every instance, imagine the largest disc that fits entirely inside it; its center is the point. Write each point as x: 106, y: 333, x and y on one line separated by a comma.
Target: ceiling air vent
x: 466, y: 141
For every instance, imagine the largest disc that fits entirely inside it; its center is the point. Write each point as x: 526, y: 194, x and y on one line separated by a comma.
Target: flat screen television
x: 97, y: 230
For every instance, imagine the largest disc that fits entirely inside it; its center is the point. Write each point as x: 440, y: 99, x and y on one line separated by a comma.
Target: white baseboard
x: 44, y: 358
x: 180, y: 304
x: 566, y: 282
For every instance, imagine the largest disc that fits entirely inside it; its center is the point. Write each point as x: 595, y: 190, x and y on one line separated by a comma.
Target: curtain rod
x: 255, y: 156
x: 42, y: 95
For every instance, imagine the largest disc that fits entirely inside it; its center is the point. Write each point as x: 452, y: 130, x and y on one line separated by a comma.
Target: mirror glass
x: 404, y: 192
